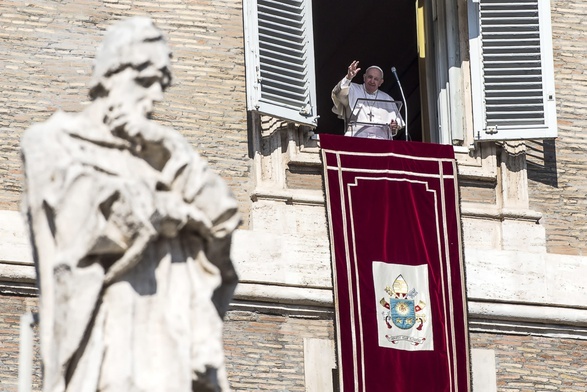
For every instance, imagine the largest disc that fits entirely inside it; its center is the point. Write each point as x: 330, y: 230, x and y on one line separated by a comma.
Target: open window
x: 287, y: 78
x: 374, y: 32
x: 297, y: 51
x: 512, y: 69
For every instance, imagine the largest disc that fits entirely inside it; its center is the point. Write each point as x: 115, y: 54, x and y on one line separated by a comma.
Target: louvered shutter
x: 511, y: 57
x: 280, y: 59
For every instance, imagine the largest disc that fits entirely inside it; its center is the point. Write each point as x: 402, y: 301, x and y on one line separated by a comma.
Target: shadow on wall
x: 541, y: 161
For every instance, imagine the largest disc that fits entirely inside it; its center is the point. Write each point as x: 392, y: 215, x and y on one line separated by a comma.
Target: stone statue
x: 131, y: 234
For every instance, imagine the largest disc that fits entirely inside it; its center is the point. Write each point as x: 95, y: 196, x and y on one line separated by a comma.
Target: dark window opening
x: 379, y: 33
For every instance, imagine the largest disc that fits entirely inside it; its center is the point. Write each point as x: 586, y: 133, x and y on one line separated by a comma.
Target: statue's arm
x: 188, y: 196
x: 198, y: 200
x: 188, y: 192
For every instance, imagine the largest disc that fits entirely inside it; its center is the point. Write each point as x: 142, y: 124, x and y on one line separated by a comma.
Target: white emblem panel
x: 402, y: 296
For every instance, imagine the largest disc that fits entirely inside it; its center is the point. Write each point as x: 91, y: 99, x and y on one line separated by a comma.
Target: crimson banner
x: 399, y: 284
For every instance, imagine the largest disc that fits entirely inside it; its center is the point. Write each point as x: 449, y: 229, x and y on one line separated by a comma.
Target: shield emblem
x: 402, y: 312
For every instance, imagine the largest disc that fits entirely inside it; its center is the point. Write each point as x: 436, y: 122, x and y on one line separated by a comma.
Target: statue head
x: 131, y: 43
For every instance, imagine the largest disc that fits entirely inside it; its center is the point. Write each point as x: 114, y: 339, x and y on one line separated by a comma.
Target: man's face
x: 373, y: 80
x: 150, y: 84
x: 138, y: 90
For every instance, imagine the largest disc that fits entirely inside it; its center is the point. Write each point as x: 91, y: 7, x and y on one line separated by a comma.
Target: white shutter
x: 512, y: 71
x: 280, y: 59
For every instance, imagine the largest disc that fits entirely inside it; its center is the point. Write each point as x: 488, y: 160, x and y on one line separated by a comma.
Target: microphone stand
x: 393, y: 70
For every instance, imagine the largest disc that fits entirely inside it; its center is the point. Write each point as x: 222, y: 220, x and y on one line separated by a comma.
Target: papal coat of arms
x: 402, y: 312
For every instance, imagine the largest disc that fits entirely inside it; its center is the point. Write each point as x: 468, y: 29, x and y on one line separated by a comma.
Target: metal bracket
x: 306, y: 110
x: 491, y: 130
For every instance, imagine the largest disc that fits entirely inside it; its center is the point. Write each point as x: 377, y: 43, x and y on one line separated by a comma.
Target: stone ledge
x: 535, y: 279
x: 14, y: 242
x: 526, y: 329
x: 492, y: 212
x: 296, y: 311
x: 493, y: 312
x: 17, y: 273
x: 289, y: 196
x: 284, y: 295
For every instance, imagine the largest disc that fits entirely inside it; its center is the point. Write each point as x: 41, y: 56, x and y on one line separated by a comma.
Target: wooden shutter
x: 511, y: 49
x: 280, y: 59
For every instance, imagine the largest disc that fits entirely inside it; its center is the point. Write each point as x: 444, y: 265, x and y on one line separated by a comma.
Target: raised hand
x: 353, y: 70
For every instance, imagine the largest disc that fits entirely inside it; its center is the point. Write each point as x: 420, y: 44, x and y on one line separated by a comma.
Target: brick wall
x: 557, y: 169
x: 46, y: 52
x: 11, y: 308
x: 265, y: 352
x: 530, y: 364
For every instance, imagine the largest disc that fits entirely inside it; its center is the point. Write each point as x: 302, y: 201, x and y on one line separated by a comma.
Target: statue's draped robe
x: 127, y: 302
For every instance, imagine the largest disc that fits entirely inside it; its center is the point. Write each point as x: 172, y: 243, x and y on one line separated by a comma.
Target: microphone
x: 393, y: 70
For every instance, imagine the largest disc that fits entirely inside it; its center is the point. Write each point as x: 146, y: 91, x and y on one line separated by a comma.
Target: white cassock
x: 366, y: 115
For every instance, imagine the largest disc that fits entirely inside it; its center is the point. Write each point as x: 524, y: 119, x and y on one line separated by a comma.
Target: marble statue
x: 131, y: 234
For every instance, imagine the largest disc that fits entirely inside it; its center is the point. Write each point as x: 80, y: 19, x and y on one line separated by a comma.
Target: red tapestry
x: 399, y: 283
